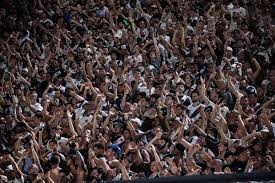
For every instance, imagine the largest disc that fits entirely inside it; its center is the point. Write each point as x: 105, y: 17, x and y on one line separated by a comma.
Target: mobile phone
x: 119, y: 140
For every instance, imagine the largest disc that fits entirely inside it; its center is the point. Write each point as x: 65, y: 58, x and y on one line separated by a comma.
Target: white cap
x: 137, y: 120
x: 25, y: 70
x: 9, y: 167
x: 265, y: 129
x: 229, y: 48
x: 151, y: 67
x: 116, y: 35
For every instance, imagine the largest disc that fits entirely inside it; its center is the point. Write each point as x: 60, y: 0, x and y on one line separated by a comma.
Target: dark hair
x: 55, y: 160
x: 227, y: 154
x: 181, y: 106
x: 53, y: 141
x: 99, y: 146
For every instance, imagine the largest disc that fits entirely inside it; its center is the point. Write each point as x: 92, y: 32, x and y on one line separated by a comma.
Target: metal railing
x: 243, y: 177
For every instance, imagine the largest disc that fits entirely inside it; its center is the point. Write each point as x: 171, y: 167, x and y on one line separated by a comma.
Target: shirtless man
x: 55, y: 172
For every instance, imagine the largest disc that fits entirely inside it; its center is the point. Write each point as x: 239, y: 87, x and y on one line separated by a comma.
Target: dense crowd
x: 95, y: 90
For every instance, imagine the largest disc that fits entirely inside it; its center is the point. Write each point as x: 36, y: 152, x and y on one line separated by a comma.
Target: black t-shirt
x: 238, y: 166
x: 40, y: 86
x: 212, y: 144
x: 115, y: 137
x: 84, y: 153
x: 143, y: 167
x: 270, y: 90
x: 46, y: 166
x: 219, y: 53
x: 4, y: 132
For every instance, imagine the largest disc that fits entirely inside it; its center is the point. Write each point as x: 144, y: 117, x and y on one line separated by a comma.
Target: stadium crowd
x: 95, y: 90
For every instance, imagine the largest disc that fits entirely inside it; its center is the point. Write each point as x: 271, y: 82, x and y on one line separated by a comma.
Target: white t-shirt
x: 37, y: 106
x: 273, y: 128
x: 233, y: 60
x: 239, y: 10
x: 84, y: 120
x: 60, y: 141
x: 193, y: 111
x: 17, y: 180
x: 142, y: 33
x: 135, y: 59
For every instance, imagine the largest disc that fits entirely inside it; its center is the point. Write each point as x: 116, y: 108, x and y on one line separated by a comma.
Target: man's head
x: 201, y: 141
x: 33, y: 171
x: 137, y: 74
x: 136, y: 122
x: 229, y: 157
x: 99, y: 149
x: 214, y: 95
x: 179, y: 109
x: 242, y: 153
x: 228, y: 52
x: 55, y: 161
x: 194, y: 96
x: 206, y: 51
x: 53, y: 144
x: 243, y: 84
x: 101, y: 3
x: 118, y: 127
x: 33, y: 97
x: 169, y: 100
x: 252, y: 98
x: 10, y: 172
x: 153, y: 55
x: 113, y: 151
x: 244, y: 102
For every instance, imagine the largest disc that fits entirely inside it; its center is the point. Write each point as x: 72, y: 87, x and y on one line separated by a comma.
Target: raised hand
x: 158, y: 135
x: 69, y: 114
x: 126, y: 88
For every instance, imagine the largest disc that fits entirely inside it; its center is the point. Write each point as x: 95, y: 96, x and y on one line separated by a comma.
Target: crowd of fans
x: 95, y: 90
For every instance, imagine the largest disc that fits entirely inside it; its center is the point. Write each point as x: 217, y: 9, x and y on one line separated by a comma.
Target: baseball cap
x: 229, y: 48
x: 116, y: 149
x: 251, y: 90
x: 137, y: 120
x: 265, y: 130
x: 9, y: 168
x: 25, y: 70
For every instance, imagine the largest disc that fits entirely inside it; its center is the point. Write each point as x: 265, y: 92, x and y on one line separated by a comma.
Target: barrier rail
x: 244, y: 177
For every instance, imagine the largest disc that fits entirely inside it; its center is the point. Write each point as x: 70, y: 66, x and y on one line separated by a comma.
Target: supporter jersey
x: 194, y: 111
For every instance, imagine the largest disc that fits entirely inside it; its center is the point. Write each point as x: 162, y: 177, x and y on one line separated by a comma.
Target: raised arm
x: 211, y: 49
x: 158, y: 136
x: 157, y: 158
x: 257, y: 71
x: 232, y: 89
x: 125, y: 175
x: 14, y: 165
x: 35, y: 156
x: 156, y: 46
x: 71, y: 126
x: 126, y: 92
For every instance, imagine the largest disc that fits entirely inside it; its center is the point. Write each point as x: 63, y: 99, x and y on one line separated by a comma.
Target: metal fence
x: 244, y: 177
